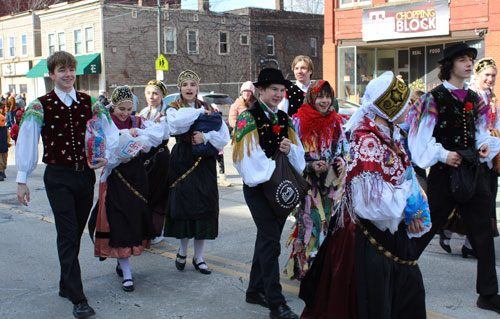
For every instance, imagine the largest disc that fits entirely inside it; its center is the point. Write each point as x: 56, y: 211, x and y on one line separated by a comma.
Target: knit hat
x: 385, y: 96
x: 188, y: 75
x: 158, y: 85
x: 248, y: 86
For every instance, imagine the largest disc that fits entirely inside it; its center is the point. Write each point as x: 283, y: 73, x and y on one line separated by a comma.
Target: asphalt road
x: 29, y: 269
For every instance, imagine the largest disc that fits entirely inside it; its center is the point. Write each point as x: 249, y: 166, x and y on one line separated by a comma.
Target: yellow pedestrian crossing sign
x: 161, y: 63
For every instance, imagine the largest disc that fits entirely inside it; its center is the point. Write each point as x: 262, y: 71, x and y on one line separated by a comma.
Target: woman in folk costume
x: 192, y: 176
x: 319, y: 128
x: 367, y: 268
x: 156, y: 160
x: 123, y: 224
x: 485, y: 72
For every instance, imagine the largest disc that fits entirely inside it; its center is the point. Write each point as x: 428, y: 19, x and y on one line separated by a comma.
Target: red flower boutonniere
x: 276, y: 129
x: 468, y: 107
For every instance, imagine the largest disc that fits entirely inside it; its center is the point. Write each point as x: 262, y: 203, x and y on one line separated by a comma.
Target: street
x: 30, y: 268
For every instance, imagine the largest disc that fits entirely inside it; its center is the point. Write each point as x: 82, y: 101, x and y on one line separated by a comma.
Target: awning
x: 87, y: 64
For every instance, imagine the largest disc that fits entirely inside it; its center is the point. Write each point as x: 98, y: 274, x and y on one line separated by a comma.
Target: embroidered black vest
x: 455, y: 128
x: 295, y: 98
x: 63, y: 132
x: 268, y: 140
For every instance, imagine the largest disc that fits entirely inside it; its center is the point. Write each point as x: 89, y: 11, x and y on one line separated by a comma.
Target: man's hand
x: 23, y: 193
x: 484, y: 151
x: 454, y: 159
x: 319, y: 166
x: 285, y: 146
x: 416, y: 226
x: 100, y: 163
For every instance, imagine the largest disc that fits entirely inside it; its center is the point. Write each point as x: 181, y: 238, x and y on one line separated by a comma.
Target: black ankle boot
x: 442, y: 238
x: 467, y: 251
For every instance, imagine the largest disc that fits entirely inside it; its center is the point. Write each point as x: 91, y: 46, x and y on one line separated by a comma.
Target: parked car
x: 347, y: 108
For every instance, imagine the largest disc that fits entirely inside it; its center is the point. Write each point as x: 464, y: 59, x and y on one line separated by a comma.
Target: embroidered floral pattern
x: 245, y: 124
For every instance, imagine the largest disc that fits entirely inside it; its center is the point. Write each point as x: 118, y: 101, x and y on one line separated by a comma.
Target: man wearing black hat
x: 448, y: 127
x: 260, y: 131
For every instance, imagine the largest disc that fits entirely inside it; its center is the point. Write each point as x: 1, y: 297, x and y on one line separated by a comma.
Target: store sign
x: 409, y: 20
x: 12, y: 69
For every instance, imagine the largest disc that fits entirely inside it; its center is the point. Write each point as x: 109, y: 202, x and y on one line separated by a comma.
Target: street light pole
x: 159, y: 27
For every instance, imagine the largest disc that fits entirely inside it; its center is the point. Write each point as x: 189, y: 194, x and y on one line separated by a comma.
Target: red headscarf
x: 317, y: 128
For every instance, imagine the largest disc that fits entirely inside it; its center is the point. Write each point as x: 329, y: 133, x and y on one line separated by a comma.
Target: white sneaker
x: 156, y: 240
x: 223, y: 181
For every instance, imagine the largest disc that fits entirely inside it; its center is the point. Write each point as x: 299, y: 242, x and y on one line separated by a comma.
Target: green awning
x: 87, y: 64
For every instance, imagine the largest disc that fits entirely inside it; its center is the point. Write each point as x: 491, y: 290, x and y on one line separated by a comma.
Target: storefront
x: 14, y: 78
x: 407, y: 38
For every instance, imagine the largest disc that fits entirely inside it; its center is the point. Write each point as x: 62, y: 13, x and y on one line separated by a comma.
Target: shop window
x: 192, y: 41
x: 170, y: 41
x: 417, y: 69
x: 404, y: 65
x: 270, y: 44
x: 223, y: 42
x: 1, y: 48
x: 12, y: 88
x: 24, y: 45
x: 434, y: 53
x: 365, y: 69
x: 346, y: 87
x: 350, y: 3
x: 52, y: 43
x: 386, y: 61
x: 89, y: 39
x: 23, y: 88
x: 77, y: 41
x: 61, y: 41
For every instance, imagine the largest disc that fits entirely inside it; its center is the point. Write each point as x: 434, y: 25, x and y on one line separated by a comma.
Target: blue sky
x: 224, y: 5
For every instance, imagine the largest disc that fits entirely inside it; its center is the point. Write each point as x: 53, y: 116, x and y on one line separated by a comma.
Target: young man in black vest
x: 260, y: 131
x: 60, y: 118
x: 448, y: 120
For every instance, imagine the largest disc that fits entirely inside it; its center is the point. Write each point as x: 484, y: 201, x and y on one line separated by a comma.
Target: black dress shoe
x: 180, y: 266
x: 128, y: 288
x: 282, y: 312
x: 205, y: 271
x: 489, y: 303
x: 467, y: 251
x: 82, y: 310
x: 442, y: 238
x: 257, y: 298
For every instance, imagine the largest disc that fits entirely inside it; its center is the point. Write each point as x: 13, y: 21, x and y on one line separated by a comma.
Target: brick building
x: 116, y: 43
x: 364, y: 38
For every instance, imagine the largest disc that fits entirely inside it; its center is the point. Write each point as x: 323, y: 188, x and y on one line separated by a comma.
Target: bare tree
x: 307, y: 6
x: 16, y: 6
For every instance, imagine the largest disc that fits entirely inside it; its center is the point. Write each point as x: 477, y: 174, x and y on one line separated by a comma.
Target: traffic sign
x: 161, y: 63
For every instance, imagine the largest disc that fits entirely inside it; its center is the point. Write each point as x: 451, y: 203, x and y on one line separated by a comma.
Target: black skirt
x: 128, y: 213
x: 193, y: 204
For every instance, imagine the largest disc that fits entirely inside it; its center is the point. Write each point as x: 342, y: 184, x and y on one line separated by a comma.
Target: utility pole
x: 159, y: 27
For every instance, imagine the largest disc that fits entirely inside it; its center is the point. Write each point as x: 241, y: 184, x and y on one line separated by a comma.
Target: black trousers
x: 70, y: 195
x: 265, y: 272
x: 476, y: 214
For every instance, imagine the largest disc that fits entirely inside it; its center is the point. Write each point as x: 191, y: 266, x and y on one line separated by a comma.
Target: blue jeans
x: 9, y: 121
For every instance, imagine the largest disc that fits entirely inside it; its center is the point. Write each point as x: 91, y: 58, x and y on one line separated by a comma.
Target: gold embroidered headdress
x: 121, y: 94
x: 158, y: 85
x: 188, y: 75
x: 483, y: 64
x: 386, y: 96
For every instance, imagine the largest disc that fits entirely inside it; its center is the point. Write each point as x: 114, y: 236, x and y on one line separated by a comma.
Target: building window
x: 244, y: 39
x: 195, y: 17
x: 78, y: 41
x: 1, y: 48
x: 52, y: 43
x: 350, y: 3
x: 24, y: 45
x: 61, y: 41
x: 134, y: 14
x: 270, y: 44
x: 192, y: 41
x: 170, y: 41
x: 314, y: 47
x: 89, y: 39
x: 23, y: 88
x: 223, y: 42
x: 12, y: 48
x: 223, y: 20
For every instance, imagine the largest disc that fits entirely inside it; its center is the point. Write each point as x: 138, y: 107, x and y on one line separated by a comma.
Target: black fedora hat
x: 454, y: 50
x: 271, y: 76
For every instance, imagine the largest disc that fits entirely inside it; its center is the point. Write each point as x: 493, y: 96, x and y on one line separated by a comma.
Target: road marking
x: 223, y: 270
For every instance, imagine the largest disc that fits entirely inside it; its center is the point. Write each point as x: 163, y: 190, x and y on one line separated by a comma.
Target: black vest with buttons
x: 268, y: 140
x: 455, y: 128
x: 295, y: 98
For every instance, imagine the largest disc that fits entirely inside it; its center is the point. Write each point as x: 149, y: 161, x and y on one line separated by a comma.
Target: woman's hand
x: 197, y: 138
x: 416, y: 226
x: 319, y: 166
x: 133, y: 132
x: 340, y: 165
